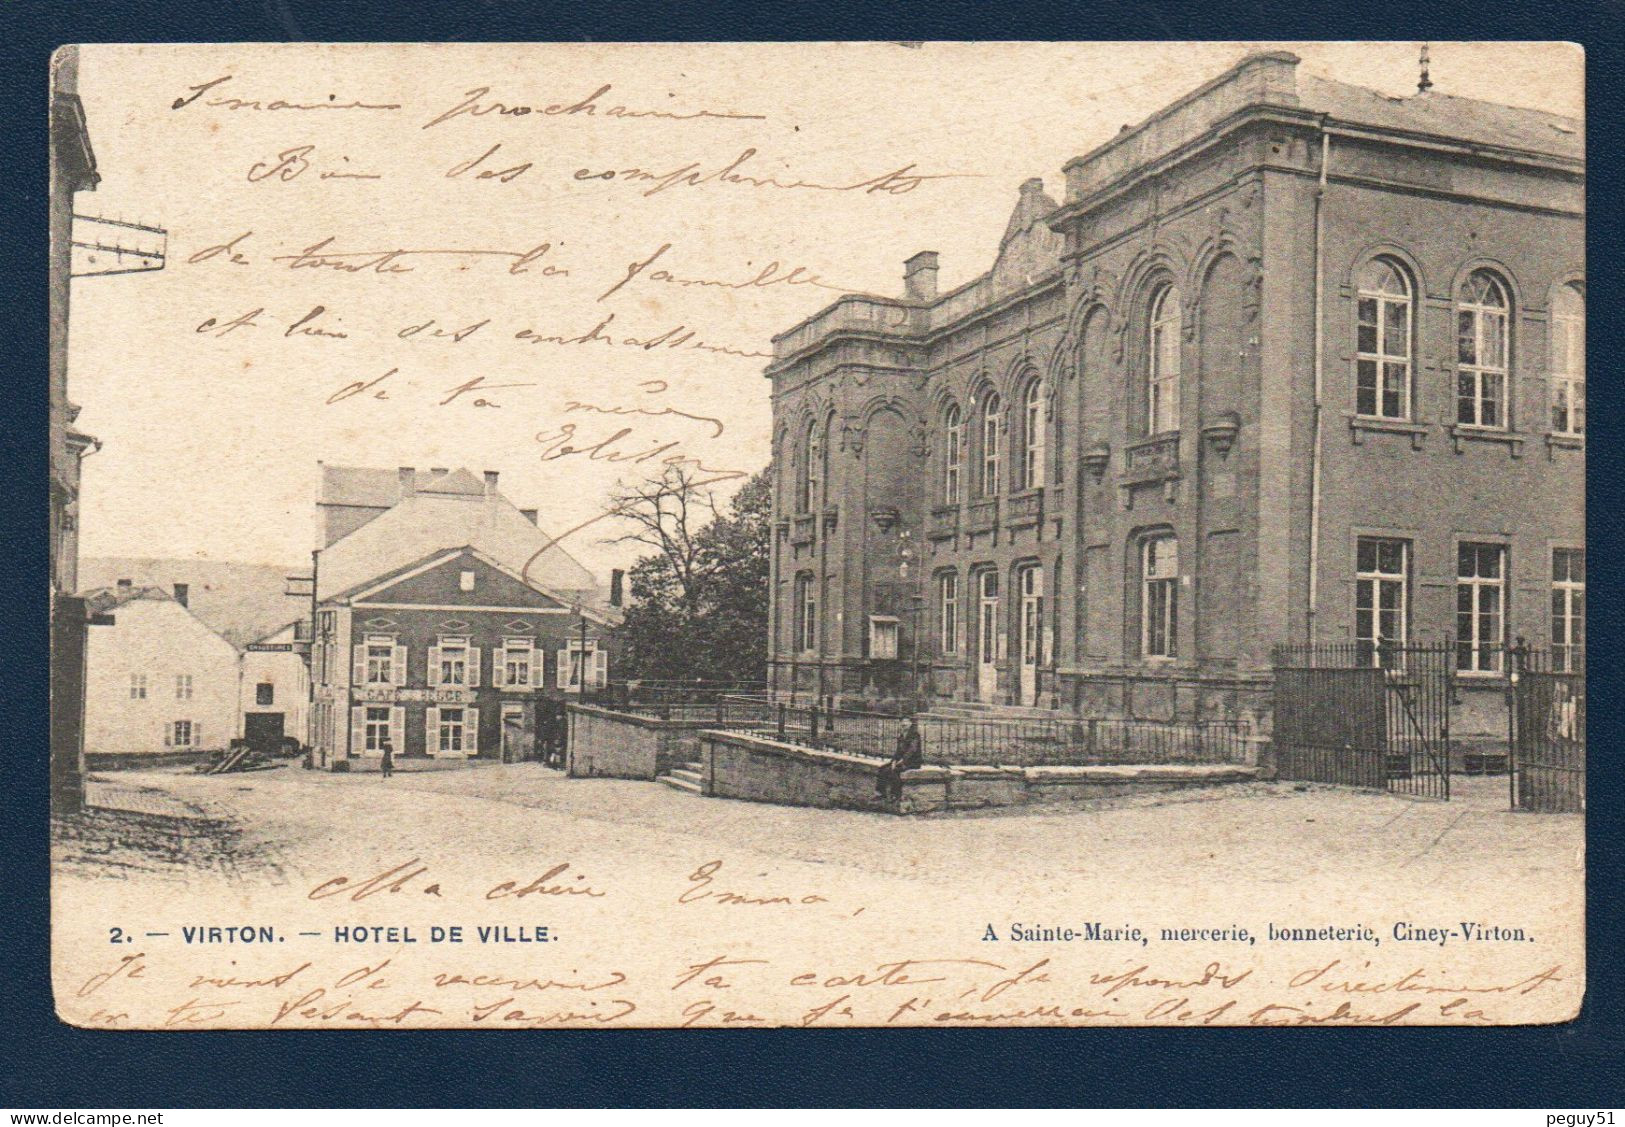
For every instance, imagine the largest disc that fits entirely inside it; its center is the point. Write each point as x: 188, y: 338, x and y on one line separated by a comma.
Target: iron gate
x: 1365, y: 716
x: 1547, y: 714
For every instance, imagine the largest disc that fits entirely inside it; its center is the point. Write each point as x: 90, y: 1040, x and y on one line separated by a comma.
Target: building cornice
x: 1222, y: 132
x: 925, y: 340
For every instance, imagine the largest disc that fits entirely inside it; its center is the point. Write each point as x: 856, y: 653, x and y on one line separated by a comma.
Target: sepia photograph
x: 817, y: 535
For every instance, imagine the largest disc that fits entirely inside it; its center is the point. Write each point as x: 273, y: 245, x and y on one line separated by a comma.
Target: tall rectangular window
x: 453, y: 660
x: 380, y: 659
x: 1480, y: 607
x: 452, y: 736
x: 806, y: 613
x: 377, y: 730
x: 1381, y: 599
x: 183, y: 686
x: 1034, y: 436
x: 992, y: 450
x: 953, y: 448
x: 138, y: 686
x: 1159, y: 597
x: 1568, y: 360
x: 948, y: 612
x: 516, y: 658
x: 264, y: 694
x: 1568, y: 609
x: 183, y: 733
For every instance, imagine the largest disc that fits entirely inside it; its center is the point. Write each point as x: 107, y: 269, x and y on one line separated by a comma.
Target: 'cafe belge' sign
x: 427, y: 696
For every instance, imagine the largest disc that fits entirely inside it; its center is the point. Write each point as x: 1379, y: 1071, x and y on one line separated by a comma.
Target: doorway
x: 1031, y: 585
x: 518, y: 741
x: 988, y: 636
x: 262, y: 731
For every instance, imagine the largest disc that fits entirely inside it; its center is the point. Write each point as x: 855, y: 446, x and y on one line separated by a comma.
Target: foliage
x: 698, y: 604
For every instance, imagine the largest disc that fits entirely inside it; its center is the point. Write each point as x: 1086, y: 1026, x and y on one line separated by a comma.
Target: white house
x: 193, y: 632
x: 157, y: 679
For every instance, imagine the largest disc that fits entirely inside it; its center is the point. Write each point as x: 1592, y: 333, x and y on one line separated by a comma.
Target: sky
x: 212, y: 434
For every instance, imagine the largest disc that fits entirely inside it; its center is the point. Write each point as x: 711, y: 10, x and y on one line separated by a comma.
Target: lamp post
x: 905, y: 553
x: 581, y: 657
x: 916, y: 605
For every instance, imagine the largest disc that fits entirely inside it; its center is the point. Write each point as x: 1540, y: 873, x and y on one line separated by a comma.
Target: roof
x: 591, y: 607
x: 429, y: 522
x: 242, y: 602
x: 100, y: 600
x: 368, y: 487
x: 1445, y: 115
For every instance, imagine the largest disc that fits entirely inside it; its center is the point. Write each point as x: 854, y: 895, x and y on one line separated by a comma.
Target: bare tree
x: 668, y: 513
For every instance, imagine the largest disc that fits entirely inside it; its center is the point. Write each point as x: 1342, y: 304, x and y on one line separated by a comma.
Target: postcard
x: 817, y: 535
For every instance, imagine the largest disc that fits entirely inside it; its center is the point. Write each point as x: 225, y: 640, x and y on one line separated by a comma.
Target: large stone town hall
x: 1292, y: 361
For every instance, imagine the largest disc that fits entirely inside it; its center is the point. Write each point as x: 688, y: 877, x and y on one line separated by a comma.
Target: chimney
x: 409, y: 481
x: 617, y: 579
x: 124, y: 585
x: 181, y: 593
x: 490, y: 483
x: 528, y: 514
x: 920, y: 277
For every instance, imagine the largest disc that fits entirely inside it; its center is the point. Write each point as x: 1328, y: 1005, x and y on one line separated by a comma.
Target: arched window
x: 953, y: 448
x: 1162, y: 373
x: 1382, y: 345
x: 992, y: 451
x: 1035, y: 435
x: 1568, y: 360
x: 1482, y: 348
x: 812, y: 459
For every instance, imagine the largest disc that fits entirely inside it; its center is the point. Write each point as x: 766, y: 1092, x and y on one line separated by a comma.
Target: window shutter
x: 197, y: 734
x: 600, y: 661
x: 358, y: 730
x: 564, y: 668
x: 169, y: 734
x: 431, y: 737
x: 359, y: 676
x: 471, y: 732
x: 397, y: 670
x: 397, y: 729
x: 434, y: 667
x: 474, y: 656
x: 499, y: 658
x: 538, y: 674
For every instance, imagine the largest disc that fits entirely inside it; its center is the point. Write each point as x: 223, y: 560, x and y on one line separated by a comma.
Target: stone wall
x: 619, y: 745
x: 763, y: 770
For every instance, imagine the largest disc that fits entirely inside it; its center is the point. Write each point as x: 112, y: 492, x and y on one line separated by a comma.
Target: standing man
x: 388, y: 763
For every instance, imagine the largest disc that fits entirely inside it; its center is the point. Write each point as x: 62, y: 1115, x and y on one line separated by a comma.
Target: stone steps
x: 688, y: 777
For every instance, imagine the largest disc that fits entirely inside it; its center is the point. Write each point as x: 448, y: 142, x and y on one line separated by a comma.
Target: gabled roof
x: 428, y: 522
x: 104, y: 599
x: 242, y: 602
x: 590, y: 608
x: 100, y: 600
